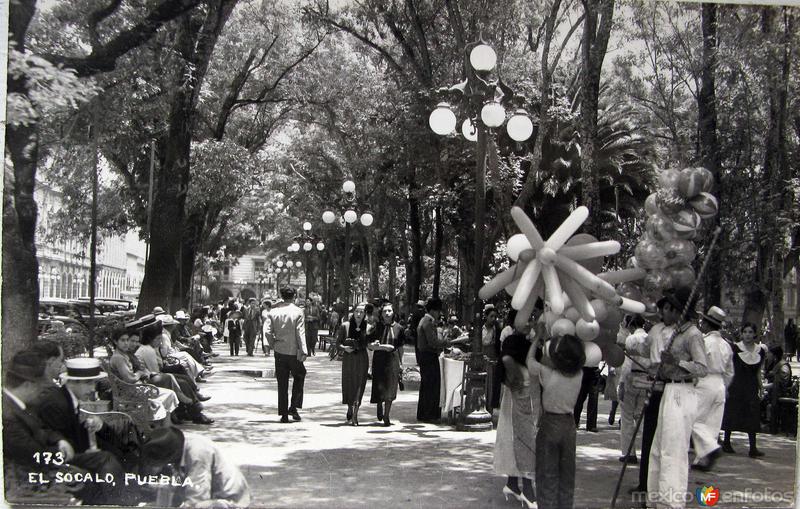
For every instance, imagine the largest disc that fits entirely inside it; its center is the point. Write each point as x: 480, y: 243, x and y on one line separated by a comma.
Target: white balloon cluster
x: 558, y: 270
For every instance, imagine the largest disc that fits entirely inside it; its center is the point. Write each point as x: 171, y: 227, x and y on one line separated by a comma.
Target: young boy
x: 560, y: 376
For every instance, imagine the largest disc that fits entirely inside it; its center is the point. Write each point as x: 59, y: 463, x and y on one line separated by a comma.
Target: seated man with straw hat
x: 59, y: 410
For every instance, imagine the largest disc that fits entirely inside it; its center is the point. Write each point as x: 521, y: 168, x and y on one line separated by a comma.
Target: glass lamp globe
x: 295, y: 246
x: 469, y: 130
x: 367, y: 219
x: 285, y: 270
x: 493, y: 114
x: 482, y: 58
x: 349, y: 186
x: 279, y: 263
x: 442, y: 119
x: 290, y: 264
x: 320, y: 246
x: 308, y: 246
x: 520, y: 126
x: 307, y: 226
x: 350, y: 216
x: 298, y: 264
x: 328, y: 217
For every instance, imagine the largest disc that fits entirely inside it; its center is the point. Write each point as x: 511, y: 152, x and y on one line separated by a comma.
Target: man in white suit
x: 285, y: 331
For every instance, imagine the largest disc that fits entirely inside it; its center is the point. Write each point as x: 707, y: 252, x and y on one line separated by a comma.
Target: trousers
x: 589, y: 390
x: 632, y: 405
x: 284, y: 365
x: 555, y: 461
x: 711, y: 398
x: 668, y: 473
x: 428, y: 408
x: 648, y: 431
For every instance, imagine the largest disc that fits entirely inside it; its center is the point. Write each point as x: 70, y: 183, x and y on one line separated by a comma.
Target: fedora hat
x: 27, y: 365
x: 141, y: 322
x: 164, y: 445
x: 715, y: 315
x: 158, y: 310
x: 678, y: 299
x: 83, y: 368
x: 166, y: 319
x: 181, y: 315
x: 421, y: 303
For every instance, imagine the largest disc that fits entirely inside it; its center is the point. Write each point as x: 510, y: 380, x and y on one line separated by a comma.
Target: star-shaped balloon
x: 551, y: 268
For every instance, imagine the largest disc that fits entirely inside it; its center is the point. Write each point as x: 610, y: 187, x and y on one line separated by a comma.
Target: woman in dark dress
x: 743, y: 404
x: 387, y: 357
x: 355, y: 334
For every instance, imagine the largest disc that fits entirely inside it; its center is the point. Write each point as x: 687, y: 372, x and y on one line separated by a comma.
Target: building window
x: 258, y: 267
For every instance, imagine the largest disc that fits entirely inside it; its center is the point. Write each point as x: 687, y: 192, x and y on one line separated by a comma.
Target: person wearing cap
x: 59, y: 409
x: 251, y: 314
x: 232, y: 332
x: 169, y: 348
x: 634, y: 384
x: 192, y: 342
x: 24, y: 433
x: 680, y: 359
x: 711, y: 389
x: 210, y: 479
x: 429, y: 346
x: 285, y: 331
x: 313, y: 318
x: 557, y: 365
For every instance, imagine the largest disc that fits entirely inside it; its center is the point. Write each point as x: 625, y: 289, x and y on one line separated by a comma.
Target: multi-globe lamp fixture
x: 443, y: 120
x: 350, y: 215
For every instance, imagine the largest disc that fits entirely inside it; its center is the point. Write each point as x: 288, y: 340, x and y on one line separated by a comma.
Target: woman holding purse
x: 356, y: 334
x: 386, y: 362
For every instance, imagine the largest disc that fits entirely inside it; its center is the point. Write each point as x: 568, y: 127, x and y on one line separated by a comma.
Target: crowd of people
x: 686, y: 377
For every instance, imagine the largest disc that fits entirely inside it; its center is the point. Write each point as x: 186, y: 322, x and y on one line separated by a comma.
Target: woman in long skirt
x: 386, y: 361
x: 743, y: 404
x: 357, y: 333
x: 520, y: 406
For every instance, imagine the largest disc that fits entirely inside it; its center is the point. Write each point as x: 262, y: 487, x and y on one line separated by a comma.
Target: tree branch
x: 104, y: 59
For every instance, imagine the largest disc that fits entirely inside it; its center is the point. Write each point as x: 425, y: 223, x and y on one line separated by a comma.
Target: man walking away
x: 252, y: 325
x: 285, y: 331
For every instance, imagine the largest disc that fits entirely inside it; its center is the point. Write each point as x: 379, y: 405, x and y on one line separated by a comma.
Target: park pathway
x: 322, y: 462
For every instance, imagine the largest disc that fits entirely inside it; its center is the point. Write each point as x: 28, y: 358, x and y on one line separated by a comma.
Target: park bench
x: 132, y: 399
x: 325, y: 338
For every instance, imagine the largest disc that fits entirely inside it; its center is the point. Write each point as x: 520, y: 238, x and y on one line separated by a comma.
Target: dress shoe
x: 755, y: 453
x: 386, y: 421
x: 284, y: 419
x: 203, y: 397
x: 202, y: 419
x: 295, y: 415
x: 630, y: 459
x: 591, y: 430
x: 175, y: 419
x: 380, y: 412
x: 508, y: 492
x: 529, y: 504
x: 726, y: 447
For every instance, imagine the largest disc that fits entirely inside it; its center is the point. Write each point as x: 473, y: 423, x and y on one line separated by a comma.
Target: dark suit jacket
x: 24, y: 435
x: 57, y: 412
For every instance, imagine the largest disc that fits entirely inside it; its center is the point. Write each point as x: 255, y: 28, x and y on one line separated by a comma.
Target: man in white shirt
x: 711, y: 390
x: 285, y: 331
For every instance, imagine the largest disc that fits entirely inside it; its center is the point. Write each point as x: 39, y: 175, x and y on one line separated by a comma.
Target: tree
x: 25, y: 87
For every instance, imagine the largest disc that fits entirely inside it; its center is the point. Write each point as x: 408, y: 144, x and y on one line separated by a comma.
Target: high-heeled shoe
x: 508, y: 492
x: 354, y: 422
x: 527, y: 503
x: 349, y: 414
x: 386, y: 421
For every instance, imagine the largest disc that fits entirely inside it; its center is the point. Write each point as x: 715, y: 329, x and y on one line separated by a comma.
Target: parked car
x: 76, y: 309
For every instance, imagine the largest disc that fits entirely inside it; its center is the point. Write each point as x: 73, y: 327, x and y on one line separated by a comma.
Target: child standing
x: 560, y: 375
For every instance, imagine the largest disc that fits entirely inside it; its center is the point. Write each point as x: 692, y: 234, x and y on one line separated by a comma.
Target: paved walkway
x: 321, y: 462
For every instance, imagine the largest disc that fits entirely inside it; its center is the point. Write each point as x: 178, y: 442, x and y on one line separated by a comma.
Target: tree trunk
x: 392, y: 292
x: 195, y: 42
x: 20, y: 285
x: 596, y: 31
x: 709, y: 145
x: 414, y: 274
x: 437, y: 254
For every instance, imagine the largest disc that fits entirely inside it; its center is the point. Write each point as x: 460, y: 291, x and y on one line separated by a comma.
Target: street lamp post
x: 348, y: 216
x: 306, y: 242
x: 483, y: 102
